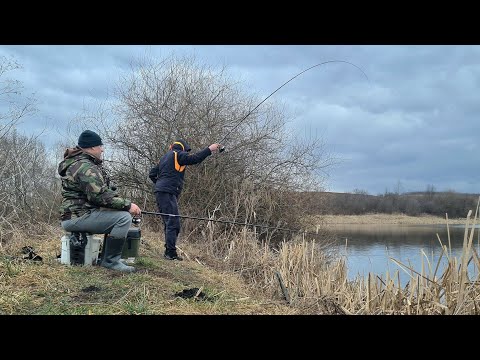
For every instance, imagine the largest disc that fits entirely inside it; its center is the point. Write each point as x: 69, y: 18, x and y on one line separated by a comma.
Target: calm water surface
x: 371, y: 248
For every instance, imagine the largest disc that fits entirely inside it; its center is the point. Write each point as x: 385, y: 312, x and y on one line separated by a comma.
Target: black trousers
x: 168, y: 204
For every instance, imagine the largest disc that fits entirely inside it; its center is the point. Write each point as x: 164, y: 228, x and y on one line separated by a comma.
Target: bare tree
x: 430, y: 191
x: 13, y: 104
x: 28, y: 189
x: 158, y: 102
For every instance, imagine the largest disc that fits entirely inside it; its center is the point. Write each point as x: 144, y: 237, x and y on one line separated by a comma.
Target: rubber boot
x: 100, y: 258
x: 112, y: 252
x: 102, y: 251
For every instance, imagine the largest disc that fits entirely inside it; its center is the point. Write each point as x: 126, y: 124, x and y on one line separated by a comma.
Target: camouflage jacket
x: 85, y: 185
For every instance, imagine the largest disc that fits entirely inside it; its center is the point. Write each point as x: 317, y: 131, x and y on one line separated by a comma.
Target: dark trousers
x: 167, y: 203
x: 101, y: 221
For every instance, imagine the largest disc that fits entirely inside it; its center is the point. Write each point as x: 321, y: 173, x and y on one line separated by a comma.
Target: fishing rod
x: 285, y: 83
x: 224, y: 221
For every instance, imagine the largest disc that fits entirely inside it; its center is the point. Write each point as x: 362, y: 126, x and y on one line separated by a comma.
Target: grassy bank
x: 230, y: 274
x: 158, y: 286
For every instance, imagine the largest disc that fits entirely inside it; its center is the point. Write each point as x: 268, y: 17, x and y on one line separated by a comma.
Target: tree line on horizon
x: 429, y: 202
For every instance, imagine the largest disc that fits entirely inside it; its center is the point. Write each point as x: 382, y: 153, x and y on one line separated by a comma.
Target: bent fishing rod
x: 285, y: 83
x: 225, y: 221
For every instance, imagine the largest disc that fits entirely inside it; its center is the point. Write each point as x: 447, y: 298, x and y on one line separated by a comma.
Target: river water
x: 372, y: 248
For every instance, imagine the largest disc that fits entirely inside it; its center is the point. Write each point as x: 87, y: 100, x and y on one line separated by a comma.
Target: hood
x: 71, y: 152
x: 72, y: 155
x: 181, y: 144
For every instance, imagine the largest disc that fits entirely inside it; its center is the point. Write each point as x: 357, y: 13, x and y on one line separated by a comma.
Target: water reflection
x: 369, y: 248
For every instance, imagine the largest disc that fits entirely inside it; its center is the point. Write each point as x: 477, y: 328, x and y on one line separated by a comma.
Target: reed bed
x: 438, y: 288
x: 315, y: 283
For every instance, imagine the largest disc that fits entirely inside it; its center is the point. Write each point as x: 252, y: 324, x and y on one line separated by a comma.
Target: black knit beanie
x: 89, y: 139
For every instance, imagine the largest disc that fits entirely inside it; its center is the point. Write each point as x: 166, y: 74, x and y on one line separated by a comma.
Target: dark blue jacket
x: 169, y: 174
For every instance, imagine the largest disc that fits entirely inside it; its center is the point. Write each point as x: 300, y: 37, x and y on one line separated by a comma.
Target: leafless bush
x: 159, y: 102
x: 29, y: 192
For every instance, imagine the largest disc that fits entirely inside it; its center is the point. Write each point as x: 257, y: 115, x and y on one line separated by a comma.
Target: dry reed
x: 316, y: 284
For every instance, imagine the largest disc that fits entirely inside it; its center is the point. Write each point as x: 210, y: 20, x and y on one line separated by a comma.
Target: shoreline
x: 387, y: 219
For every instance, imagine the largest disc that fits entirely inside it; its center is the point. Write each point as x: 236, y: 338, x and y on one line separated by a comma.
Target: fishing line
x: 223, y: 148
x: 285, y: 83
x: 225, y: 221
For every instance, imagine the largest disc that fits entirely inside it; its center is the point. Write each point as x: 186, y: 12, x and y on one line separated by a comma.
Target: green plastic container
x: 130, y: 249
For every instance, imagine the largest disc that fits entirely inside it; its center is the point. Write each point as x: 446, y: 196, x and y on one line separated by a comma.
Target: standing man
x: 168, y: 177
x: 89, y: 204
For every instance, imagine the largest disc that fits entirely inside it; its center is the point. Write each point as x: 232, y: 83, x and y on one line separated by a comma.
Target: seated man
x: 89, y: 204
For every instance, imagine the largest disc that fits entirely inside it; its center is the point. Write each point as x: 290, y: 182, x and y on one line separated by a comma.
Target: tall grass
x: 301, y: 272
x: 317, y: 283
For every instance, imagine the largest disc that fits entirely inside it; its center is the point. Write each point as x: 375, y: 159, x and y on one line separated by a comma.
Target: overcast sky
x: 412, y: 123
